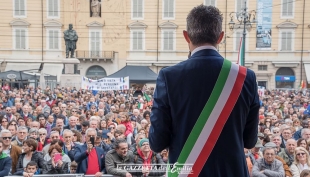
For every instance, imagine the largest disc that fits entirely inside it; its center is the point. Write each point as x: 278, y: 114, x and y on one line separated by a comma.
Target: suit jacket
x: 78, y: 127
x: 81, y: 158
x: 181, y: 93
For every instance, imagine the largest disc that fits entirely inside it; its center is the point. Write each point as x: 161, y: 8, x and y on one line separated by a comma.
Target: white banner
x: 106, y: 84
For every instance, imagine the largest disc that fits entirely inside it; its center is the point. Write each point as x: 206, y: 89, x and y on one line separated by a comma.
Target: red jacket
x: 128, y: 127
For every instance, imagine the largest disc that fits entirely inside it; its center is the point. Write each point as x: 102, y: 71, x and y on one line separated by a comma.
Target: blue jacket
x: 81, y: 157
x: 5, y: 166
x: 181, y: 93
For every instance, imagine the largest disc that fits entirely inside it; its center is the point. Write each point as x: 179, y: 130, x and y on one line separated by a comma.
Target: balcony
x: 95, y: 55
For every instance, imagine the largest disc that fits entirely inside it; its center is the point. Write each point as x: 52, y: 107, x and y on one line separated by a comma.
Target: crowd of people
x: 66, y: 130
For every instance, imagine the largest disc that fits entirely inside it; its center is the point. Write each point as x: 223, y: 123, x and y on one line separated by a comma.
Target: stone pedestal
x: 69, y: 68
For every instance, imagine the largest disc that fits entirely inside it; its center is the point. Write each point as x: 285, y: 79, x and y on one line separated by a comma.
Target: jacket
x: 156, y: 159
x: 49, y: 169
x: 287, y: 170
x: 36, y: 157
x: 112, y: 159
x: 128, y: 127
x: 286, y: 157
x: 78, y: 127
x: 274, y: 170
x: 296, y: 170
x: 176, y: 109
x: 5, y: 164
x: 81, y: 158
x: 14, y: 154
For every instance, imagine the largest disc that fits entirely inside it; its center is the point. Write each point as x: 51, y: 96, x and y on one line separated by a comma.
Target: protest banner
x: 105, y: 84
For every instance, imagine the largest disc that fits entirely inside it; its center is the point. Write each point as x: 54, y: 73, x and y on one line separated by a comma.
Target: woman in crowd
x: 125, y: 120
x: 147, y: 115
x: 55, y: 166
x: 4, y: 123
x: 77, y: 137
x: 42, y: 140
x: 144, y: 123
x: 102, y: 125
x: 301, y: 142
x: 29, y: 154
x: 147, y: 157
x: 296, y: 124
x: 88, y: 114
x: 301, y: 161
x: 305, y: 173
x: 33, y: 133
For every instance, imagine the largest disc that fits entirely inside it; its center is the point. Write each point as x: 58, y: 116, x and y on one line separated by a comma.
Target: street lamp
x: 244, y: 19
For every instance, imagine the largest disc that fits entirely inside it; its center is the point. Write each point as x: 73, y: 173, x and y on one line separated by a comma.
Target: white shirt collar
x: 202, y: 48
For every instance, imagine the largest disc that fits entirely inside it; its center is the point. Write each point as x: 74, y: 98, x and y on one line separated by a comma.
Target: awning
x: 137, y: 74
x: 307, y: 70
x: 23, y: 75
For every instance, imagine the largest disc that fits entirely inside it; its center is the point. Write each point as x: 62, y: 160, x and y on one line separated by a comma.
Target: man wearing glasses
x: 73, y: 124
x: 8, y: 114
x: 22, y: 133
x: 10, y: 149
x: 268, y: 166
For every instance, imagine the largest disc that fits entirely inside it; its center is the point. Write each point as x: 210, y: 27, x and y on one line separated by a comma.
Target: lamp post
x: 244, y: 19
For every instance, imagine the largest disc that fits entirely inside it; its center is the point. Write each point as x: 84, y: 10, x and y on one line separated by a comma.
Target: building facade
x: 115, y: 33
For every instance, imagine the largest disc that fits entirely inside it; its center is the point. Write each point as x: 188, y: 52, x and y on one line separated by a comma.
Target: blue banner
x: 264, y: 24
x: 285, y: 78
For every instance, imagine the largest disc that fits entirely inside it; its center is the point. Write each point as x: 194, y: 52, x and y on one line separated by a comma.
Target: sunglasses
x: 6, y: 138
x: 276, y: 132
x: 42, y: 134
x: 300, y: 154
x: 13, y: 124
x: 73, y: 111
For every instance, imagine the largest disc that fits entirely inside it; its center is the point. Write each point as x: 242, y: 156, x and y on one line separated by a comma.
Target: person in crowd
x: 77, y: 137
x: 30, y: 169
x: 33, y: 133
x: 84, y: 127
x: 119, y: 155
x: 305, y: 173
x: 90, y: 159
x: 5, y: 161
x: 10, y: 149
x: 286, y: 134
x: 4, y: 123
x: 55, y: 166
x: 288, y: 154
x: 25, y: 113
x: 22, y: 133
x: 305, y: 133
x: 13, y: 129
x: 60, y: 124
x: 301, y: 161
x: 146, y: 157
x: 135, y: 146
x: 46, y: 110
x: 256, y: 151
x: 65, y: 157
x: 102, y: 125
x: 73, y: 124
x: 73, y: 167
x: 248, y: 160
x: 304, y: 125
x: 29, y: 154
x: 125, y: 120
x: 54, y: 136
x: 69, y: 146
x: 42, y: 139
x: 276, y: 139
x: 268, y: 166
x: 302, y: 143
x: 35, y: 124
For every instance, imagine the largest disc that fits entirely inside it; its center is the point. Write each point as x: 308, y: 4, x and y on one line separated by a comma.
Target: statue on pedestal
x: 71, y: 38
x: 95, y: 8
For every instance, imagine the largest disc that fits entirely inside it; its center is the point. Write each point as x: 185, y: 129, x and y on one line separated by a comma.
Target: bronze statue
x: 95, y: 8
x: 71, y: 38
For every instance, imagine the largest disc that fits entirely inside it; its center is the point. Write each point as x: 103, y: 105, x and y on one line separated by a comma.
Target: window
x: 137, y: 40
x: 209, y: 2
x: 20, y: 39
x: 239, y: 5
x: 287, y: 8
x: 53, y: 39
x: 53, y: 8
x: 286, y: 40
x: 262, y: 84
x: 19, y: 8
x: 168, y: 9
x: 95, y: 43
x: 168, y: 40
x: 137, y: 9
x: 262, y: 67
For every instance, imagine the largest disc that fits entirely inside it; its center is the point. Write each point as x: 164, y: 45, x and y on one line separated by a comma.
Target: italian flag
x: 302, y: 85
x: 240, y: 54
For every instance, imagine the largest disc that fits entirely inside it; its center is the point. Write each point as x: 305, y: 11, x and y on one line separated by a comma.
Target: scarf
x: 290, y: 158
x: 3, y: 155
x: 146, y: 160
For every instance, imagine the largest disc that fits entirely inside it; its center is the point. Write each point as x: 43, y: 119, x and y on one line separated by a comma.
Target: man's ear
x: 220, y: 37
x: 185, y: 34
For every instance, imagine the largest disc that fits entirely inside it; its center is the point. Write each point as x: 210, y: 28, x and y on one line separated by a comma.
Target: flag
x: 302, y: 85
x: 240, y: 54
x: 147, y: 97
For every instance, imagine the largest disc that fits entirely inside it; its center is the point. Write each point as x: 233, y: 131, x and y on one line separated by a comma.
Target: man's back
x: 181, y: 93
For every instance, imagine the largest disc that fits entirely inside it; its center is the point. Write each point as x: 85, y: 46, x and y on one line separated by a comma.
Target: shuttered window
x: 20, y: 7
x: 168, y: 9
x: 286, y: 43
x: 137, y: 40
x: 53, y: 37
x: 168, y: 40
x: 53, y: 8
x: 240, y: 5
x: 287, y: 8
x: 137, y: 8
x: 95, y: 41
x: 210, y: 2
x: 20, y: 39
x: 237, y: 40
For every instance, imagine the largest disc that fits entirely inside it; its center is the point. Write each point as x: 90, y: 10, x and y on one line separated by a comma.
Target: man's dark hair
x: 204, y: 25
x: 32, y: 163
x: 59, y: 142
x: 41, y: 115
x: 118, y: 141
x: 118, y: 132
x: 85, y: 124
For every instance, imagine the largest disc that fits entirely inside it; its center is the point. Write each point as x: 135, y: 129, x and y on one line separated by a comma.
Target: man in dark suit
x: 183, y: 90
x: 90, y: 159
x: 72, y: 124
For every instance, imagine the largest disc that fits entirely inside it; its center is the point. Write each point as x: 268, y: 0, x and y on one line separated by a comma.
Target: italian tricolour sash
x: 212, y: 119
